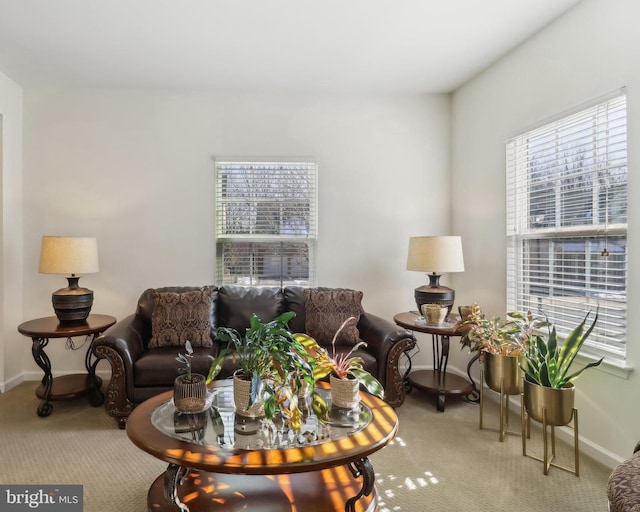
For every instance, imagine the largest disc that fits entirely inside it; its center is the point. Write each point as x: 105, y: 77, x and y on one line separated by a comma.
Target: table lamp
x: 435, y: 254
x: 70, y: 256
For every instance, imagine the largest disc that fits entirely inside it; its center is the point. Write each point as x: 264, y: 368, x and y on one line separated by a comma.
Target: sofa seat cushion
x: 158, y: 366
x: 623, y: 489
x: 325, y: 311
x: 181, y: 316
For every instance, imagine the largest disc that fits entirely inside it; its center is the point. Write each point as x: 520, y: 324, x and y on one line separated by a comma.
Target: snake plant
x: 548, y: 362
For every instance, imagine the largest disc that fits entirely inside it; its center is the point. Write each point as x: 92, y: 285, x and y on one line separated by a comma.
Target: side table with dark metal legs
x: 66, y: 387
x: 437, y: 381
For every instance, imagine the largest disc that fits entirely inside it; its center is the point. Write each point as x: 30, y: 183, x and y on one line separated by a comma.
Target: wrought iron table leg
x: 405, y: 377
x: 443, y: 359
x: 361, y: 467
x: 43, y: 361
x: 173, y: 477
x: 474, y: 396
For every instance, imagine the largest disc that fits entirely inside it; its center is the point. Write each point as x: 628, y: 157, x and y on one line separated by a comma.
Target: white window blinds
x: 567, y: 222
x: 266, y: 222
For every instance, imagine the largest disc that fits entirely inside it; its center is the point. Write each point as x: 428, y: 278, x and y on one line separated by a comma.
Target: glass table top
x: 220, y: 426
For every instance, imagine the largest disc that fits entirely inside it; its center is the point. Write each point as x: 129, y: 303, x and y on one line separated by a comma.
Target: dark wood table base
x: 320, y: 491
x: 66, y: 387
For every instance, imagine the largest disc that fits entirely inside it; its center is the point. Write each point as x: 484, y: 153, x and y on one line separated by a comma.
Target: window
x: 567, y: 223
x: 265, y: 222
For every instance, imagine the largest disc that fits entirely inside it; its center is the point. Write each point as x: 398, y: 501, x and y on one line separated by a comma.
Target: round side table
x: 66, y: 387
x: 436, y: 381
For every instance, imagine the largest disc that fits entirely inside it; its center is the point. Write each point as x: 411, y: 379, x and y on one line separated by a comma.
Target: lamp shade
x: 68, y: 255
x: 436, y: 254
x: 71, y: 256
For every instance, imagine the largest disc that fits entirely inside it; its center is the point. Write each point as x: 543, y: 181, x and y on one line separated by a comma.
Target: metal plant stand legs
x: 503, y: 429
x: 547, y: 460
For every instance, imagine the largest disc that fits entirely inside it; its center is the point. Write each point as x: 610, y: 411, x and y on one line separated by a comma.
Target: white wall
x: 592, y: 50
x: 13, y: 347
x: 134, y: 168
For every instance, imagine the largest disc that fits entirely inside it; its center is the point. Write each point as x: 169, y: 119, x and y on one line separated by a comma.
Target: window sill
x: 616, y: 368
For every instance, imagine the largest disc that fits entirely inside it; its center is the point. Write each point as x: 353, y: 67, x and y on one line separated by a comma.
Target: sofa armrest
x: 387, y: 342
x: 121, y: 345
x: 125, y: 337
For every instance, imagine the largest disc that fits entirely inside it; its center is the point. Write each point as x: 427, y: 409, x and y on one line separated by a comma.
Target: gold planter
x: 553, y: 407
x: 502, y: 373
x: 557, y: 403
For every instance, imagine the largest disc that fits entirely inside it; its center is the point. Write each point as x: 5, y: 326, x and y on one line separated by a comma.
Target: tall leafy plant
x: 548, y: 362
x: 272, y: 359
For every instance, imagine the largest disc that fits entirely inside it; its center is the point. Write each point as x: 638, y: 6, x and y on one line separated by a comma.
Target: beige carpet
x: 438, y: 461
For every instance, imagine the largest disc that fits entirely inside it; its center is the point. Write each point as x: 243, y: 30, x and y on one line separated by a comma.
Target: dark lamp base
x: 72, y: 304
x: 435, y: 295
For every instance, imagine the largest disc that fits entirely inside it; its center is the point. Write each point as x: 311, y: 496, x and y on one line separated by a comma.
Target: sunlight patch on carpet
x: 389, y: 485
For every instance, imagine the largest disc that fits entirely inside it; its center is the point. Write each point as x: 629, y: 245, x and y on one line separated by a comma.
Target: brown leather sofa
x: 139, y: 371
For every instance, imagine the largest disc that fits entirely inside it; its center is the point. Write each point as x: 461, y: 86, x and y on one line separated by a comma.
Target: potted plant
x: 499, y: 346
x: 189, y: 389
x: 269, y: 364
x: 548, y: 384
x: 493, y: 336
x: 344, y: 369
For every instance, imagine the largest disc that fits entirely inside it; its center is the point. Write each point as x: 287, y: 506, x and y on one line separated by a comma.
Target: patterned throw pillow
x: 178, y: 317
x: 326, y: 309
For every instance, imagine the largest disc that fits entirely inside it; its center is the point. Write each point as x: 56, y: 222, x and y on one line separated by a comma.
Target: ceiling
x: 366, y: 46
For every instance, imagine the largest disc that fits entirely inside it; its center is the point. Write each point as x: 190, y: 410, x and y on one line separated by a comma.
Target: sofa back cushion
x: 181, y: 316
x: 325, y: 311
x: 294, y: 301
x: 236, y: 304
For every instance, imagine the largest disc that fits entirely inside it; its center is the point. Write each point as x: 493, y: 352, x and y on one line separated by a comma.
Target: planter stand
x: 548, y: 461
x: 504, y: 410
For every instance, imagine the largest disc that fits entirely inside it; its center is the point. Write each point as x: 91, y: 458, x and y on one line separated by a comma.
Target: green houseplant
x: 548, y: 383
x: 340, y: 366
x: 549, y: 392
x: 272, y: 362
x: 548, y: 362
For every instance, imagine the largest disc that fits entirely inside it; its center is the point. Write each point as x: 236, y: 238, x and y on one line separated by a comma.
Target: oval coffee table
x: 222, y: 461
